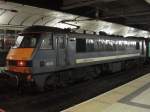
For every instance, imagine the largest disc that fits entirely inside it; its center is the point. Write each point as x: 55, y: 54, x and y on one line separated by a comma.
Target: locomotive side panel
x: 105, y: 49
x: 71, y: 50
x: 61, y: 44
x: 44, y: 57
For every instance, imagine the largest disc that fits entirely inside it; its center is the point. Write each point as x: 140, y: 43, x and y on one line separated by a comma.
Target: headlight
x: 21, y: 63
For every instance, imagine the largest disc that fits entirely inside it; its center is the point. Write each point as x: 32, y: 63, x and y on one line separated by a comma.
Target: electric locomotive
x: 49, y: 56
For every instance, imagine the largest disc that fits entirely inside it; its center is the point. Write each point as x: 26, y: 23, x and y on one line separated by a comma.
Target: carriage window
x: 89, y: 45
x: 137, y: 45
x: 47, y: 42
x: 80, y: 45
x: 96, y: 45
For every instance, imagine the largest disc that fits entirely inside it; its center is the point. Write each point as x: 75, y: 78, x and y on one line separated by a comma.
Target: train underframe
x: 53, y: 80
x: 67, y: 77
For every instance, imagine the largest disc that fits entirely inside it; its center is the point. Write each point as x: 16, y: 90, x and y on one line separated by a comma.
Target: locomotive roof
x: 39, y: 29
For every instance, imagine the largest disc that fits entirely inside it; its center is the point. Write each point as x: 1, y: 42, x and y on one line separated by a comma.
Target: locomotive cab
x: 35, y: 53
x: 19, y: 57
x: 38, y: 50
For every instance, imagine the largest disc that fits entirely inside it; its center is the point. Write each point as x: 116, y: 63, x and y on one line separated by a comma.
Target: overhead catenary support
x: 41, y: 18
x: 49, y: 21
x: 77, y: 27
x: 11, y: 19
x: 25, y: 19
x: 3, y: 12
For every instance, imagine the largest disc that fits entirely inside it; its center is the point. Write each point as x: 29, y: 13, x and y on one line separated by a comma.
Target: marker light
x: 21, y: 63
x: 29, y: 78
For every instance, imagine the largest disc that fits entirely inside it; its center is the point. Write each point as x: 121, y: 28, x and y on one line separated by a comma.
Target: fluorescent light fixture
x: 64, y: 26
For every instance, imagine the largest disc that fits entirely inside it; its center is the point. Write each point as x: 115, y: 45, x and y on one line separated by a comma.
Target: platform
x: 131, y: 97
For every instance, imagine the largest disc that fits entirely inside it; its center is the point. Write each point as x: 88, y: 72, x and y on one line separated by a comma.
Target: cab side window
x: 47, y: 42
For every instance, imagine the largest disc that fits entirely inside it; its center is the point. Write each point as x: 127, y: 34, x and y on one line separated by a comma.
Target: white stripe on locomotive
x: 86, y: 60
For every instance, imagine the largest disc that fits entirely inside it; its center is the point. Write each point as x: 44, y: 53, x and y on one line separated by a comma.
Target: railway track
x: 62, y: 98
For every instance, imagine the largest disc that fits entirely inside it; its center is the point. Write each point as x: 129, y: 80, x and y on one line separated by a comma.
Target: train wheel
x: 63, y: 78
x: 51, y: 82
x: 98, y: 71
x: 89, y: 73
x: 39, y: 81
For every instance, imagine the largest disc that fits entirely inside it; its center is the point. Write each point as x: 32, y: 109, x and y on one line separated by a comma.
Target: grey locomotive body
x: 60, y: 53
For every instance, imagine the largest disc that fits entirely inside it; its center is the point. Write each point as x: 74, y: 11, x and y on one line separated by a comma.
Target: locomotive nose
x: 20, y: 54
x: 19, y: 60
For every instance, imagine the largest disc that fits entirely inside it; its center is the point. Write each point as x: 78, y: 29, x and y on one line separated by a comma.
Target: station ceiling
x: 135, y: 13
x: 21, y: 15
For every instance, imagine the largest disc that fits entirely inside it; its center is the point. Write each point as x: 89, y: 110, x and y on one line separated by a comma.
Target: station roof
x: 20, y: 16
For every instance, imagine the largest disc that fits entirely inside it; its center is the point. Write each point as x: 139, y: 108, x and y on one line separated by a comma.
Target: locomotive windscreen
x: 27, y: 41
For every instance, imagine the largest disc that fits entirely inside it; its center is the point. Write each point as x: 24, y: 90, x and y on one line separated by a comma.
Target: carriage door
x: 61, y: 50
